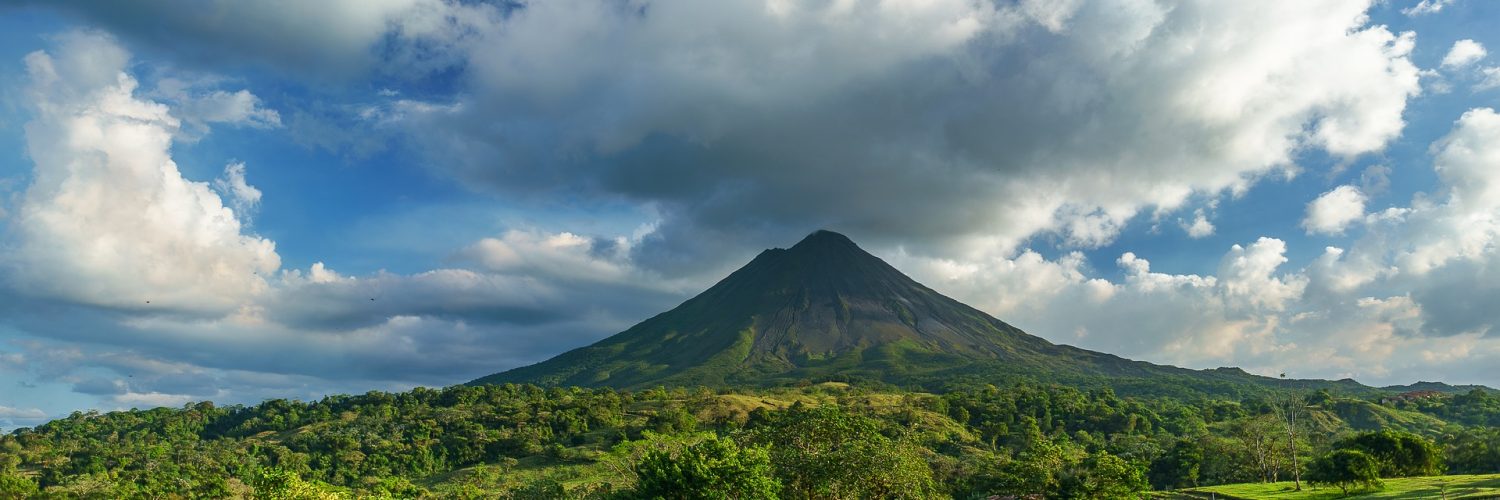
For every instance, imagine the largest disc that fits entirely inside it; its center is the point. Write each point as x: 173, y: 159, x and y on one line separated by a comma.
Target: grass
x: 1455, y: 487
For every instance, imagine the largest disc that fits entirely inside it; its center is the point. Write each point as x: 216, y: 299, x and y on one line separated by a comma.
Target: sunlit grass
x: 1450, y: 487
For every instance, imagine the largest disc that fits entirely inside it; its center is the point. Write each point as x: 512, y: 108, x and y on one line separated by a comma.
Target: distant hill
x: 825, y: 309
x: 1435, y: 387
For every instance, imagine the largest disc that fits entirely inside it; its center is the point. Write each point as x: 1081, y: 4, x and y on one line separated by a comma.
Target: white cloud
x: 1412, y: 299
x: 1461, y: 225
x: 1313, y: 322
x: 109, y: 224
x: 1466, y: 160
x: 1200, y: 227
x: 1188, y: 319
x: 321, y: 274
x: 242, y: 195
x: 1425, y: 7
x: 1247, y: 279
x: 561, y: 255
x: 151, y: 399
x: 1463, y: 53
x: 1333, y: 211
x: 109, y: 220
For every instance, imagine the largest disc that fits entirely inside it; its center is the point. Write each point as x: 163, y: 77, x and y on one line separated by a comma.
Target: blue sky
x: 234, y: 202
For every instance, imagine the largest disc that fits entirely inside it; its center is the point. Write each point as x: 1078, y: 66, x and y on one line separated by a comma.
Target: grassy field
x: 1451, y: 487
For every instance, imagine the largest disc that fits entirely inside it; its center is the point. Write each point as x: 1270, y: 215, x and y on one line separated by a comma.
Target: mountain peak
x: 825, y: 308
x: 824, y: 304
x: 824, y: 238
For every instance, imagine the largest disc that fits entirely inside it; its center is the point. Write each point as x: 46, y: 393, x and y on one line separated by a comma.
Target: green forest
x: 826, y: 440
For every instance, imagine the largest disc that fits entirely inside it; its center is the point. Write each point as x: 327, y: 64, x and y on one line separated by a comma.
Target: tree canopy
x: 815, y: 440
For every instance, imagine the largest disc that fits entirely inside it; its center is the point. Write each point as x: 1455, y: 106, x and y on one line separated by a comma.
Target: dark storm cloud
x: 338, y: 38
x: 997, y: 121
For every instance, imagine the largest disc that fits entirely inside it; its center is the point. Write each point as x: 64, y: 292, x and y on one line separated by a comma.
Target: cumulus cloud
x: 1253, y: 313
x: 1334, y: 210
x: 1230, y: 317
x: 109, y: 219
x: 1466, y: 160
x: 1199, y: 227
x: 1412, y: 298
x: 1448, y: 247
x: 144, y: 288
x: 1463, y: 53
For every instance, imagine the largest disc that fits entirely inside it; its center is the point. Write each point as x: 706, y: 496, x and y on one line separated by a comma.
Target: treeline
x: 819, y: 441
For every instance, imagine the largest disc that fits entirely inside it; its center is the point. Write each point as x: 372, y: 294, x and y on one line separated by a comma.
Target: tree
x: 1287, y: 409
x: 1399, y: 454
x: 714, y: 468
x: 1059, y: 469
x: 828, y: 452
x: 1259, y: 436
x: 17, y: 486
x: 1102, y: 475
x: 1345, y: 469
x: 675, y: 419
x: 1473, y: 451
x: 1178, y: 467
x: 1033, y: 470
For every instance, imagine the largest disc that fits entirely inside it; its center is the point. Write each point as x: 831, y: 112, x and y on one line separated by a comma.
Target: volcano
x: 825, y: 309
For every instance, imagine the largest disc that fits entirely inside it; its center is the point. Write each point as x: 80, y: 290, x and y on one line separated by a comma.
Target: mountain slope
x: 825, y: 308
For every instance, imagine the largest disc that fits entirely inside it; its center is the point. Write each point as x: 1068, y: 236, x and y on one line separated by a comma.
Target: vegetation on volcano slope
x: 828, y: 440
